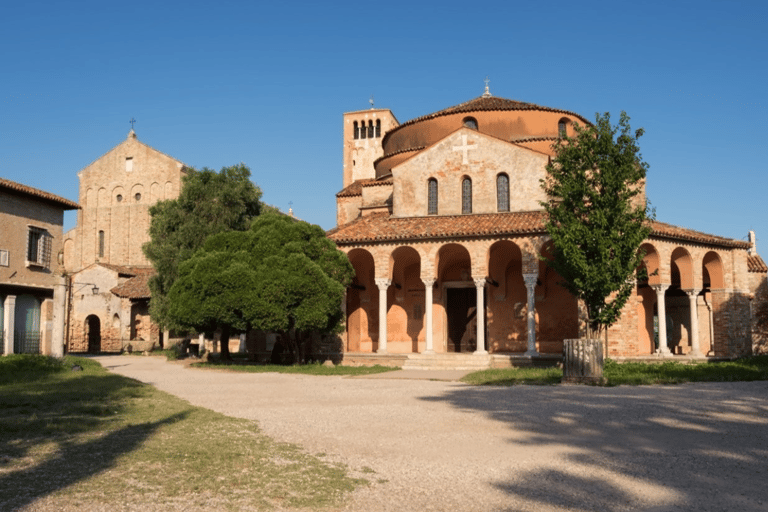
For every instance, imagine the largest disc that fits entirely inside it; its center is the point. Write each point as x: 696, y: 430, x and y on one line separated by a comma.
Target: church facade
x: 108, y: 301
x: 440, y: 217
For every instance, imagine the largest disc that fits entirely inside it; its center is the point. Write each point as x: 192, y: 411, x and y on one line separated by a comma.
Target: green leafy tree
x: 597, y: 220
x: 283, y: 276
x: 210, y: 202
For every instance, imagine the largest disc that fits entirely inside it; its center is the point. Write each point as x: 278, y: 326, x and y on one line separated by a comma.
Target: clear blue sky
x: 217, y: 83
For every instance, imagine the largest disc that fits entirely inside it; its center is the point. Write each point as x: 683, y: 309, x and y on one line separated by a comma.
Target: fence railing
x: 26, y: 342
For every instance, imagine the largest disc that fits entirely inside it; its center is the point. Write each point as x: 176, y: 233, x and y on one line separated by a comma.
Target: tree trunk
x: 583, y: 361
x: 224, y: 342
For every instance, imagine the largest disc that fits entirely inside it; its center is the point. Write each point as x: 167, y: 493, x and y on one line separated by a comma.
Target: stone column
x: 480, y: 316
x: 530, y: 287
x: 200, y: 343
x: 383, y: 284
x: 59, y: 316
x: 661, y: 307
x: 9, y: 313
x: 428, y: 283
x: 693, y: 295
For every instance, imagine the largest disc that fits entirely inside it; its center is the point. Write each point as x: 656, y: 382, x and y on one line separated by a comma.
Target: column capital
x: 479, y: 282
x: 429, y: 282
x: 660, y: 288
x: 692, y: 292
x: 530, y: 279
x: 383, y: 282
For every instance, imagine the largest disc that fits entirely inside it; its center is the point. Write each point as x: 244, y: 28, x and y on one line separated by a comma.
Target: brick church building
x: 441, y: 219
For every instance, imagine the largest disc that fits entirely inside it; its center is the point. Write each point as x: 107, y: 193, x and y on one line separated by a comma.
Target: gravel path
x: 443, y: 446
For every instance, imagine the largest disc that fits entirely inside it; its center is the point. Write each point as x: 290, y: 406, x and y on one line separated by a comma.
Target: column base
x: 428, y: 352
x: 531, y: 353
x: 382, y: 351
x: 480, y: 352
x: 663, y: 353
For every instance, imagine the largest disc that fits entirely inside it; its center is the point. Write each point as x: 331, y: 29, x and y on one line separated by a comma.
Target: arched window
x: 432, y: 196
x: 363, y: 130
x: 562, y: 126
x: 370, y: 129
x: 502, y: 193
x: 466, y: 196
x: 101, y: 244
x: 357, y: 130
x: 378, y: 128
x: 470, y: 122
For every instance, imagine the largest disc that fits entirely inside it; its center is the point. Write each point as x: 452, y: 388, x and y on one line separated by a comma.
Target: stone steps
x: 447, y: 362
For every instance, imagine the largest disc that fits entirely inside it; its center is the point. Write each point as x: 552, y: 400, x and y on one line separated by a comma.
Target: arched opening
x: 356, y: 130
x: 93, y: 333
x: 466, y: 195
x: 26, y: 336
x: 647, y: 325
x: 562, y: 127
x: 362, y: 304
x: 101, y: 244
x: 677, y: 304
x: 507, y: 303
x: 458, y: 299
x: 713, y: 282
x: 370, y: 129
x: 432, y: 196
x: 556, y: 310
x: 378, y: 128
x: 470, y: 122
x: 405, y: 317
x: 502, y: 193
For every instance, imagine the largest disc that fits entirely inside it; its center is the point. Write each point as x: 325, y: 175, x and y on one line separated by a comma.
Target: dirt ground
x: 429, y: 445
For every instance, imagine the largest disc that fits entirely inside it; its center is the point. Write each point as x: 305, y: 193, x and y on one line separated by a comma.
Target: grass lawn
x: 305, y: 369
x: 748, y: 369
x: 94, y: 440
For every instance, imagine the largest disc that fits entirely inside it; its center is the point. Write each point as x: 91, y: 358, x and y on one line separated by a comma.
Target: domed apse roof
x: 484, y: 104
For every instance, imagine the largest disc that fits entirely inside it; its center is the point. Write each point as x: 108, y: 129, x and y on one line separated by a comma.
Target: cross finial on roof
x: 290, y: 208
x: 487, y: 93
x: 132, y: 121
x: 132, y: 133
x: 371, y: 101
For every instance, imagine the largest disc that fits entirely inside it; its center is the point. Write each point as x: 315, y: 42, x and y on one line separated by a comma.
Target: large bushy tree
x: 283, y: 276
x: 209, y: 202
x: 597, y: 218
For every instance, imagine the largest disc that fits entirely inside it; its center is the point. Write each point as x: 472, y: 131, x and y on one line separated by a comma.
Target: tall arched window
x: 562, y: 126
x: 363, y: 130
x: 432, y: 196
x: 378, y: 128
x: 101, y: 244
x: 466, y: 196
x: 370, y: 129
x: 357, y: 130
x: 502, y: 193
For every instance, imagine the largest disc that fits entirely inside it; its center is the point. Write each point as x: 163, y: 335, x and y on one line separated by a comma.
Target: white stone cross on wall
x: 464, y: 148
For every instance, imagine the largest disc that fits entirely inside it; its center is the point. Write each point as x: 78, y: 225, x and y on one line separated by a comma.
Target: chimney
x: 752, y: 243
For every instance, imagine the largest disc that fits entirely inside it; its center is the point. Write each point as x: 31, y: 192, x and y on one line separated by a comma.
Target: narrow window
x: 129, y: 164
x: 137, y: 197
x: 378, y: 128
x: 470, y: 122
x: 363, y: 130
x: 38, y: 247
x: 432, y: 197
x: 502, y: 193
x: 561, y: 127
x: 101, y: 244
x: 466, y: 196
x: 370, y: 129
x: 357, y: 130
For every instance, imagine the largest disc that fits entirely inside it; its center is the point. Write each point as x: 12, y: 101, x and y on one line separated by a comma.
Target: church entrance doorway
x: 462, y: 319
x: 93, y: 333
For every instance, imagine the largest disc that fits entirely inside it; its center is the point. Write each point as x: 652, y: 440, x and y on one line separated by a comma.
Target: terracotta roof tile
x: 663, y: 230
x: 379, y: 227
x: 137, y: 286
x: 40, y: 194
x: 756, y: 264
x: 356, y: 187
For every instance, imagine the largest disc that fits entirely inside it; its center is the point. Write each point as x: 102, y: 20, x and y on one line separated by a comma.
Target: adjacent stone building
x: 441, y: 219
x: 32, y: 288
x: 108, y: 292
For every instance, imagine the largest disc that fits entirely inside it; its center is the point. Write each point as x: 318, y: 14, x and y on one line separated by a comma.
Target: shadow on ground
x: 701, y: 446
